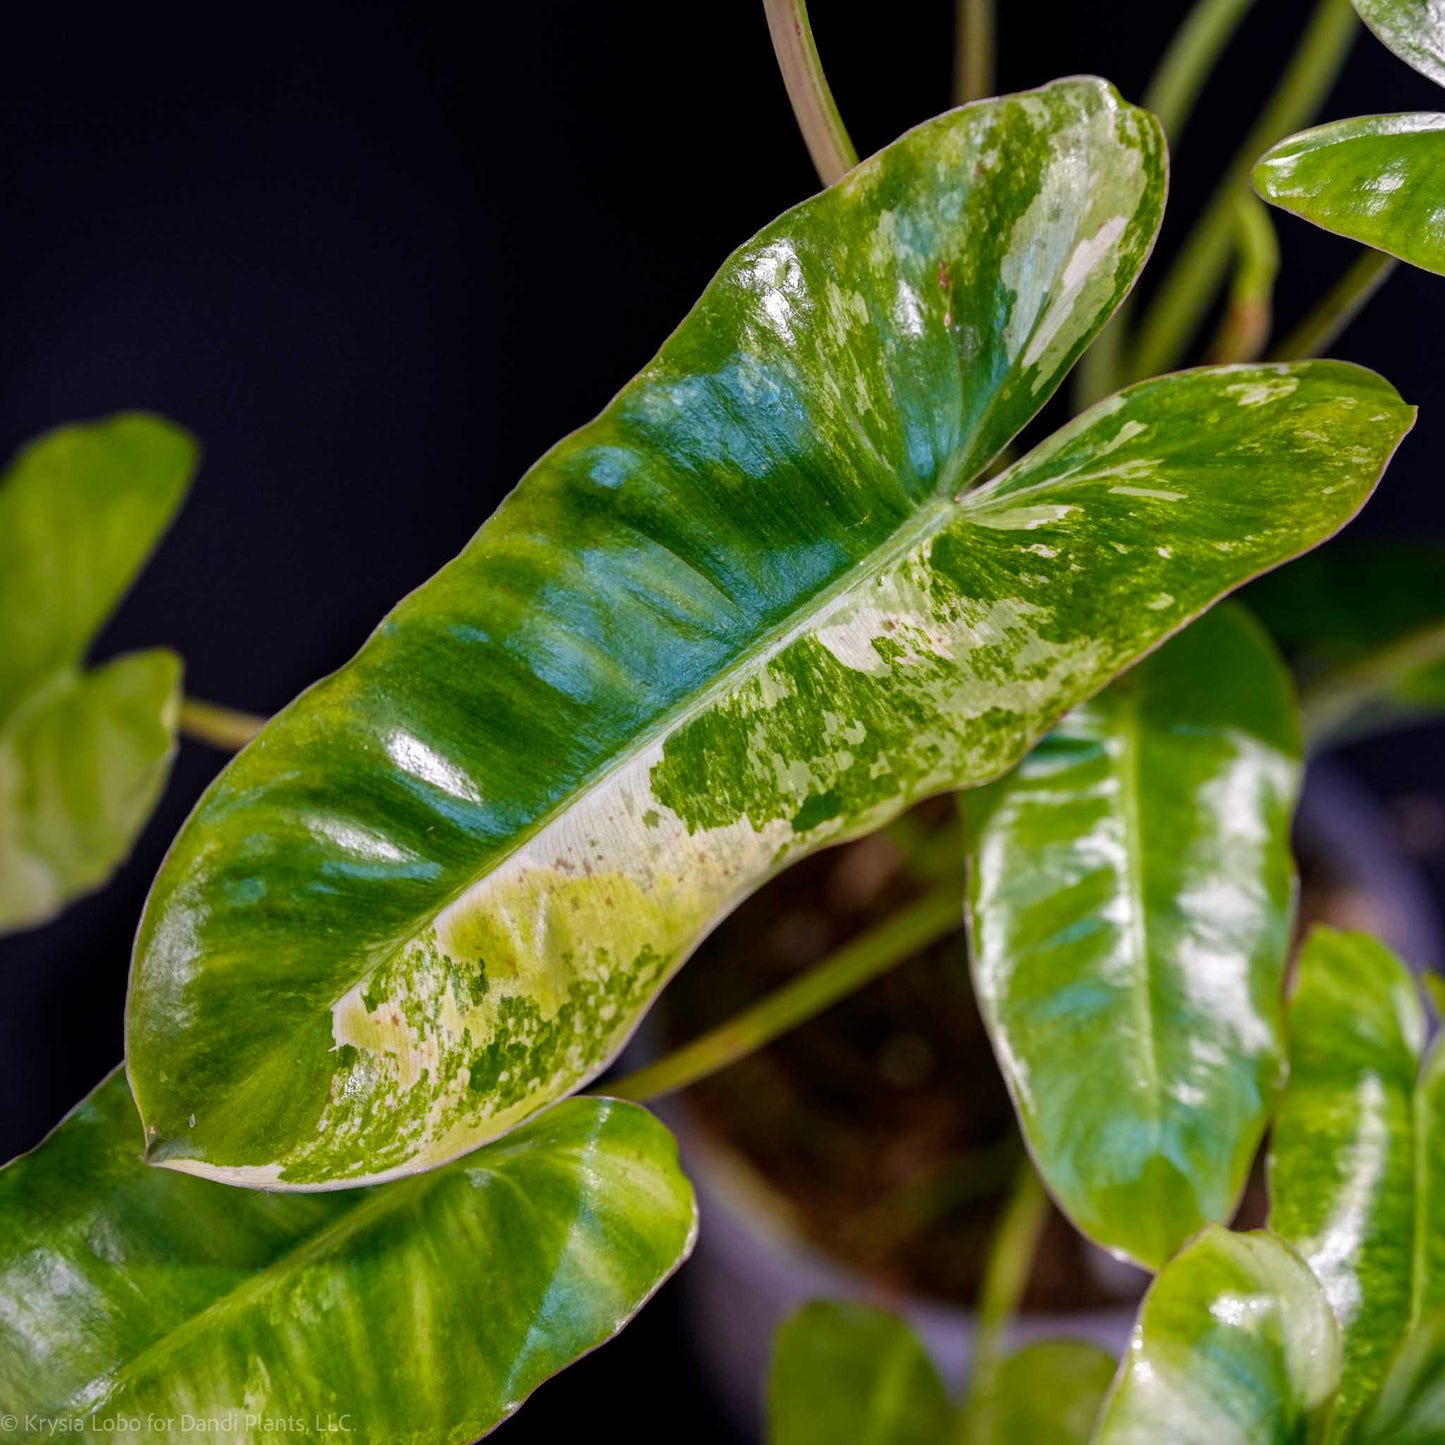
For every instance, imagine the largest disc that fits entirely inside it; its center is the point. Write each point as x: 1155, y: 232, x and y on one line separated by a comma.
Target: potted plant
x: 795, y: 581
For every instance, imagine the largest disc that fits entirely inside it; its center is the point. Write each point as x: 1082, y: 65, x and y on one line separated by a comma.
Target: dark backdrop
x: 378, y: 256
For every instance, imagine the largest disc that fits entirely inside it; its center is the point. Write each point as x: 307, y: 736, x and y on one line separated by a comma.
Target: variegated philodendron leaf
x: 752, y: 609
x: 1379, y: 179
x: 1357, y: 1158
x: 84, y: 753
x: 425, y: 1310
x: 1413, y: 29
x: 1235, y: 1345
x: 1410, y: 1408
x: 1131, y: 890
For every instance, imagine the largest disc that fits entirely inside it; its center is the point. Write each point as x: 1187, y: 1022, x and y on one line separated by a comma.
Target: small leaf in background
x: 1364, y: 625
x: 1130, y: 899
x: 1379, y: 179
x: 1413, y: 29
x: 1049, y: 1392
x: 1410, y: 1408
x: 849, y: 1372
x: 1342, y: 1166
x: 84, y: 755
x: 425, y: 1310
x: 1235, y: 1345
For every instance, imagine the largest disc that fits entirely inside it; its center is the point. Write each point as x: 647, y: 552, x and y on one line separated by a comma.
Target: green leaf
x: 84, y: 755
x: 848, y: 1372
x: 1342, y: 1156
x: 1364, y: 624
x: 1410, y: 1408
x: 746, y: 612
x: 1429, y: 1261
x: 1235, y: 1345
x: 1050, y: 1392
x: 1378, y: 179
x: 1130, y: 896
x: 1413, y: 29
x: 426, y: 1311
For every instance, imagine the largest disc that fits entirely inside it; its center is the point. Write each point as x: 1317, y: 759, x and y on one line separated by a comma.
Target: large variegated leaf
x: 1235, y: 1345
x: 1130, y: 898
x: 848, y: 1372
x: 1410, y: 1408
x: 83, y: 754
x: 425, y: 1310
x: 748, y: 611
x: 1413, y: 29
x: 1379, y: 179
x: 1049, y: 1392
x: 1364, y: 624
x: 1342, y: 1157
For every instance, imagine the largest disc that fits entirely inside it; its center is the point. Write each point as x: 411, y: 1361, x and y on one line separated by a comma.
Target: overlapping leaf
x: 849, y: 1372
x: 1413, y: 29
x: 748, y: 611
x: 1364, y: 624
x: 83, y: 754
x: 1355, y: 1176
x: 423, y: 1311
x: 1410, y: 1408
x: 1130, y: 899
x: 1235, y: 1345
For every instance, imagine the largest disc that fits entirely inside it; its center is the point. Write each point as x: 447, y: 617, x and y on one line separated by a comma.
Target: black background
x: 379, y: 256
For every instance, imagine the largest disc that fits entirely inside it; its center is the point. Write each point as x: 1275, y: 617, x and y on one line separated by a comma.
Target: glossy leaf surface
x: 1050, y: 1392
x: 1379, y: 179
x: 849, y: 1372
x: 1364, y: 624
x: 83, y: 754
x: 1413, y: 29
x: 1130, y: 899
x: 424, y: 1311
x: 1235, y: 1345
x: 1410, y: 1408
x: 746, y: 612
x: 1343, y: 1152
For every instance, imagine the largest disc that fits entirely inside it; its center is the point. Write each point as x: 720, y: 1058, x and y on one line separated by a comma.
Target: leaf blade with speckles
x: 425, y: 1311
x: 1413, y: 29
x: 1234, y: 1345
x: 1131, y: 889
x: 1342, y: 1165
x: 1378, y: 179
x: 84, y: 753
x: 746, y: 612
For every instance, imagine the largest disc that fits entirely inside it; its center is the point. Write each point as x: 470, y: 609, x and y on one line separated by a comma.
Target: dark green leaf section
x: 424, y: 1311
x: 1342, y: 1163
x: 849, y: 1372
x: 1364, y: 625
x: 1413, y: 29
x: 1235, y: 1345
x: 1379, y: 179
x: 750, y: 610
x: 1130, y: 899
x: 83, y: 754
x: 1410, y: 1409
x: 1049, y: 1392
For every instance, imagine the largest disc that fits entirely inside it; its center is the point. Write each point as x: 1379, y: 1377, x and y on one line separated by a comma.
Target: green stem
x: 1006, y: 1276
x: 1173, y: 317
x: 221, y: 727
x: 1328, y: 705
x: 1340, y: 305
x: 1189, y: 62
x: 1244, y: 328
x: 908, y: 931
x: 973, y: 50
x: 1172, y: 93
x: 813, y: 105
